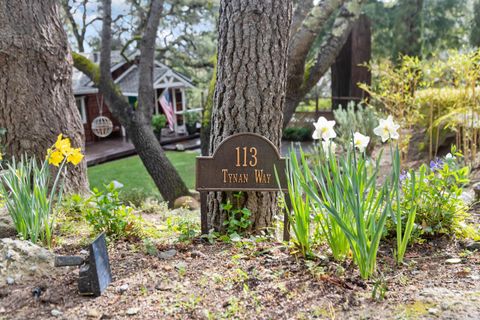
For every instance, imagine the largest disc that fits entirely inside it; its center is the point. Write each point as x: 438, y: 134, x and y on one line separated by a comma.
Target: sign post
x: 242, y: 162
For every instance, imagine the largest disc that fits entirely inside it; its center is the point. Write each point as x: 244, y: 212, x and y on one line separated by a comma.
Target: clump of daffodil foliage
x: 29, y: 194
x: 342, y: 201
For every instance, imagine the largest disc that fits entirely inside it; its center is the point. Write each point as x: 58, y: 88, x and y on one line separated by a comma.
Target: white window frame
x: 83, y: 109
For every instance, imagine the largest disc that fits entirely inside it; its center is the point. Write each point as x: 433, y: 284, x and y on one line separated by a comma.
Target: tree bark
x: 250, y: 88
x: 207, y: 113
x: 136, y: 121
x: 36, y: 98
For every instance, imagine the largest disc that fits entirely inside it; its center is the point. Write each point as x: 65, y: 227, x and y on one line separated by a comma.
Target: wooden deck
x: 117, y: 148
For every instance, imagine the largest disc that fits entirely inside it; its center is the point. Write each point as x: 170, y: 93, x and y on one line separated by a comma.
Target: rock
x: 469, y: 196
x: 161, y: 286
x: 197, y: 254
x: 453, y: 261
x: 24, y: 261
x: 186, y: 202
x: 123, y: 288
x: 433, y: 311
x: 472, y: 245
x: 165, y: 255
x: 10, y: 281
x: 195, y: 194
x: 7, y: 228
x: 476, y: 190
x: 93, y: 313
x: 132, y: 311
x: 56, y: 313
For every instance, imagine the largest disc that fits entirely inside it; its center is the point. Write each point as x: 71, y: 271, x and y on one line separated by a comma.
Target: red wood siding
x: 92, y: 109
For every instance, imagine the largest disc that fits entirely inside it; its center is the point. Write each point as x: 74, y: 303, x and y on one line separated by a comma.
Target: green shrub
x: 191, y: 118
x: 135, y: 197
x: 298, y: 133
x: 445, y: 111
x: 356, y: 118
x: 158, y: 122
x: 440, y: 94
x: 108, y: 214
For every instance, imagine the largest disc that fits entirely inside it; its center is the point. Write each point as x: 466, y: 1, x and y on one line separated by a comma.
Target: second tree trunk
x: 250, y: 89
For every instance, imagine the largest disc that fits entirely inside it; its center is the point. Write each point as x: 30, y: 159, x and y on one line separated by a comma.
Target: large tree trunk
x: 36, y: 99
x: 250, y: 88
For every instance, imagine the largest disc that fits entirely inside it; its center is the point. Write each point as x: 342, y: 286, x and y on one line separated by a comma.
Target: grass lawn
x: 133, y: 175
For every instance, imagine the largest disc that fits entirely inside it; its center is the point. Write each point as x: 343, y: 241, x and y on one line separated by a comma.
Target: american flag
x: 167, y: 107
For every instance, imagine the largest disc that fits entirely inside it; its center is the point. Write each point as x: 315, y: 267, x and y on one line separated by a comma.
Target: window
x: 81, y: 108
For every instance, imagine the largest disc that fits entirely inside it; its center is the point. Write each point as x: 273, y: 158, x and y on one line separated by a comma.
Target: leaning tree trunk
x: 250, y: 88
x: 163, y: 173
x: 137, y: 121
x: 36, y: 99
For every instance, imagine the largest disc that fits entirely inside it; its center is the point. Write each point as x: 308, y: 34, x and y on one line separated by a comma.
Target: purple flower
x: 436, y: 164
x: 404, y: 175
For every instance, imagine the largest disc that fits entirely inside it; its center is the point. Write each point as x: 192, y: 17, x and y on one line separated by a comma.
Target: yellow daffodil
x: 75, y: 156
x: 63, y: 145
x: 55, y: 158
x: 1, y: 156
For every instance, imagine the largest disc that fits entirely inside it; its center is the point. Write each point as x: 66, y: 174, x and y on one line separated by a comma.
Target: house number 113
x: 245, y: 153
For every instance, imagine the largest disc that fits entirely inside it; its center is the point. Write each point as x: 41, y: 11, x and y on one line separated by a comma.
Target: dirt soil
x: 257, y: 280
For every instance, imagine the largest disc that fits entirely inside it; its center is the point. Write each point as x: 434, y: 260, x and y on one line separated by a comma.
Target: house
x: 98, y: 121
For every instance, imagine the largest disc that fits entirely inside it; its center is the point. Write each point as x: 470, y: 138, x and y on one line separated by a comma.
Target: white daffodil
x: 387, y: 129
x: 448, y: 156
x: 360, y: 141
x: 324, y: 129
x: 329, y: 147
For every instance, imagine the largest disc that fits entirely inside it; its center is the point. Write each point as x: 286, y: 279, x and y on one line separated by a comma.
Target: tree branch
x: 299, y: 14
x: 76, y: 33
x: 334, y: 42
x: 302, y: 41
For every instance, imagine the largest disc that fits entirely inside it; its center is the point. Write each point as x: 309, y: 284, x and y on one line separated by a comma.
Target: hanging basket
x: 102, y: 126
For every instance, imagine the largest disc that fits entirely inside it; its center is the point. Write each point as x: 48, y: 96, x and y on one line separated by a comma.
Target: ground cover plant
x: 439, y: 206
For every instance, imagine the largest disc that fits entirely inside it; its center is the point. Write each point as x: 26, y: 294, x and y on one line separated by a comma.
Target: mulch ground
x: 261, y: 280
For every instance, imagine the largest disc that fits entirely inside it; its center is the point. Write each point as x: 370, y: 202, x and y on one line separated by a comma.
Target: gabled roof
x: 163, y: 77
